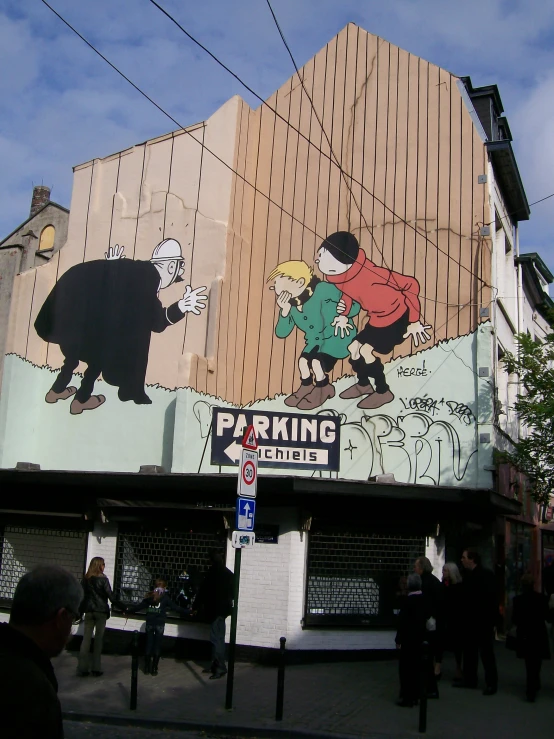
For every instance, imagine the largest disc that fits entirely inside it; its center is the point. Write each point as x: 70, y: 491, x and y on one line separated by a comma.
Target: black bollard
x: 134, y: 671
x: 423, y: 694
x: 280, y: 681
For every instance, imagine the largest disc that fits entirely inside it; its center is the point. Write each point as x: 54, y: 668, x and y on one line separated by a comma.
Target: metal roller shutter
x: 25, y: 547
x: 146, y: 554
x: 353, y: 576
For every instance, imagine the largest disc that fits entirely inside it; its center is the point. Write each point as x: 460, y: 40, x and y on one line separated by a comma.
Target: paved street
x: 354, y: 699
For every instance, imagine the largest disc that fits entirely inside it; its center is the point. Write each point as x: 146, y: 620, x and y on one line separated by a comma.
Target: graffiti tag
x: 414, y: 447
x: 426, y: 404
x: 461, y: 411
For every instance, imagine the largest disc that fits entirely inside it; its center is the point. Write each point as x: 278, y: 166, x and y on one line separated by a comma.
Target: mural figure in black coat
x: 102, y: 313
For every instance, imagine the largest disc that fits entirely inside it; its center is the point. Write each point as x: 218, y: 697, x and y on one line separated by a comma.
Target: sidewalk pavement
x: 354, y: 699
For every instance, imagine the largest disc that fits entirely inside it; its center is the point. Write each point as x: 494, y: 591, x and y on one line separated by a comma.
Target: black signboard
x: 267, y: 534
x: 285, y: 440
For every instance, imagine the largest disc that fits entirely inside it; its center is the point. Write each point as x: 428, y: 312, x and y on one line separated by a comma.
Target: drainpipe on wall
x: 519, y: 279
x: 519, y: 294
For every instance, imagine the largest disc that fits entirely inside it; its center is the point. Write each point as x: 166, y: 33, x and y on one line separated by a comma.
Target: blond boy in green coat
x: 307, y: 303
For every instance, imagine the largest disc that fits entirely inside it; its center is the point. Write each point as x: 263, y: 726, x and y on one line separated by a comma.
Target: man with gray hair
x: 45, y: 605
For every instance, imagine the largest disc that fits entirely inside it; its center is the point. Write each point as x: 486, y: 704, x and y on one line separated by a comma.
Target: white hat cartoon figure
x: 103, y: 312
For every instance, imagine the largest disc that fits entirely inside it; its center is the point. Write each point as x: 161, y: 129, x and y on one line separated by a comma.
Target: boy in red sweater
x: 391, y: 301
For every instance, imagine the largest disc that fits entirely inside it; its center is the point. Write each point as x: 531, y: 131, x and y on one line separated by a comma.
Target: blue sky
x: 60, y: 105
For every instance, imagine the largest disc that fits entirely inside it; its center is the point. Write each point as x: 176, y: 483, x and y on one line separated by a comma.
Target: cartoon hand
x: 342, y: 324
x: 190, y: 302
x: 283, y: 301
x: 418, y: 332
x: 114, y: 252
x: 341, y: 306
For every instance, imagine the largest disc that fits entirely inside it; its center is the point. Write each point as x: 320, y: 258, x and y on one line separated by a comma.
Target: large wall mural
x: 352, y: 283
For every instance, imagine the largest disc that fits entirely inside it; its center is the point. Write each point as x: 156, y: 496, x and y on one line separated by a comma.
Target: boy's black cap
x: 343, y: 246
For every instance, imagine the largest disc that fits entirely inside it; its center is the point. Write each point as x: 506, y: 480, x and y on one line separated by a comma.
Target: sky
x: 61, y: 105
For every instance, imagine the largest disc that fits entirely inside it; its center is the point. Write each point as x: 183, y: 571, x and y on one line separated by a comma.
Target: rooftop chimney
x: 41, y: 196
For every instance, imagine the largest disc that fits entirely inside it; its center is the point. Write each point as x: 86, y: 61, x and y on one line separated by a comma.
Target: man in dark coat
x: 45, y: 605
x: 409, y: 640
x: 214, y: 603
x: 480, y: 606
x: 530, y: 612
x: 102, y: 313
x: 431, y: 588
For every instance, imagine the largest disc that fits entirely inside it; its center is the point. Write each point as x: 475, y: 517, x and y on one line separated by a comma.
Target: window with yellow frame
x: 47, y: 238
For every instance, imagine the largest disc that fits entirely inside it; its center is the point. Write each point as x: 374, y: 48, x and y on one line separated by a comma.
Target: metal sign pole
x: 233, y: 635
x: 245, y: 510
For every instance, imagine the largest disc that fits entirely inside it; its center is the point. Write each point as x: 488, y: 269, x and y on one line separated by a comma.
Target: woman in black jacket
x: 157, y: 603
x: 98, y: 592
x: 530, y: 611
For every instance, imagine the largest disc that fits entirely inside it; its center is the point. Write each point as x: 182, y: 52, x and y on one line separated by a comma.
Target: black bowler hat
x: 343, y: 246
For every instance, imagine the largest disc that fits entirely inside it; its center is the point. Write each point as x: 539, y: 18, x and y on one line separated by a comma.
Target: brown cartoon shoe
x: 89, y: 405
x: 356, y: 391
x: 317, y: 397
x: 52, y: 397
x: 376, y: 400
x: 293, y: 400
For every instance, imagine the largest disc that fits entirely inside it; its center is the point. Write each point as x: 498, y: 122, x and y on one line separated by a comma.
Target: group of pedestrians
x: 461, y: 615
x: 212, y: 604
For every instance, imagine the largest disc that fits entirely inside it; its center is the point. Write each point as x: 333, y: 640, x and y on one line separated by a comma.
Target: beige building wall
x: 397, y: 166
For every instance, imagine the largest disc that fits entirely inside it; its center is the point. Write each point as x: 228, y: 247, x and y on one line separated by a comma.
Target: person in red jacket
x: 391, y: 301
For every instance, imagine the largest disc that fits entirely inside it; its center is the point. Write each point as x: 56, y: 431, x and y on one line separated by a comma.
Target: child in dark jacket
x: 156, y: 603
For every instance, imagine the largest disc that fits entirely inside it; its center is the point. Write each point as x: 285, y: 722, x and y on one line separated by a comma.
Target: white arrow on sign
x: 233, y: 451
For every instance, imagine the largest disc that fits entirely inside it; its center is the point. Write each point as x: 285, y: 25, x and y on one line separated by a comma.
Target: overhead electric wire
x: 335, y: 163
x: 339, y: 163
x: 217, y: 157
x: 324, y: 132
x: 515, y: 212
x: 282, y: 35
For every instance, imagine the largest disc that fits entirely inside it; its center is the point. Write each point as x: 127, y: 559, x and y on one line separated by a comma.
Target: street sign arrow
x: 233, y: 451
x: 246, y: 512
x: 286, y: 440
